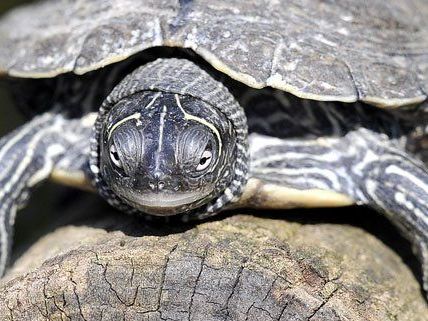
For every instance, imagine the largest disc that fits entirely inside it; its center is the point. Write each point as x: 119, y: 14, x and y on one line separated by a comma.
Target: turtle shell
x: 373, y: 51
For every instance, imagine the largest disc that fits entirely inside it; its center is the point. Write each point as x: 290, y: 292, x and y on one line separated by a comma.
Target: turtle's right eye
x: 114, y: 156
x: 205, y: 160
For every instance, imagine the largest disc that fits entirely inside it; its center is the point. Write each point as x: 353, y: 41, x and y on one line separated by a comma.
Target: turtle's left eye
x: 196, y: 150
x: 205, y: 160
x: 114, y: 156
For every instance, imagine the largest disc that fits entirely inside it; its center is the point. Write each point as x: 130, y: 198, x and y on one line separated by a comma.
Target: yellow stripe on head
x: 136, y: 116
x: 202, y: 121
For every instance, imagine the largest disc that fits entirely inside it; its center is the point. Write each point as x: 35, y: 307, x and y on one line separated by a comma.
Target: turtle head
x: 164, y: 153
x: 164, y: 146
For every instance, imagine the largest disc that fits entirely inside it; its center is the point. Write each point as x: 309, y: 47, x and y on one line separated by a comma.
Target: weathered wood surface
x: 239, y: 268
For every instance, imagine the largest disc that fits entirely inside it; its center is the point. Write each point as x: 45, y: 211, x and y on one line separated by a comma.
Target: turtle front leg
x: 28, y: 156
x: 397, y: 185
x: 363, y: 167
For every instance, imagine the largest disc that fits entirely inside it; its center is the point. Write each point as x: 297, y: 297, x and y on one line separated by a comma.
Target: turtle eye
x: 114, y: 156
x: 205, y: 160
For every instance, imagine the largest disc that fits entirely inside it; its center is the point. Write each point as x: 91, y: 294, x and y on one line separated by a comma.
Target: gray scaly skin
x: 28, y: 156
x: 170, y: 131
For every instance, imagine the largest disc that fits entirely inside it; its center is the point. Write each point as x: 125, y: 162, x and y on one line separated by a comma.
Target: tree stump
x: 242, y: 267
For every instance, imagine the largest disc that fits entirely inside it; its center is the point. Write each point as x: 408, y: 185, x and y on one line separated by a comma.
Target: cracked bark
x: 238, y: 268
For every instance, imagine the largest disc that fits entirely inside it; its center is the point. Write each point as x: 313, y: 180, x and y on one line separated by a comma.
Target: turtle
x: 188, y: 108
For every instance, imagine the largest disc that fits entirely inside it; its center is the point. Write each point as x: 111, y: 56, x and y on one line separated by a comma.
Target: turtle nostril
x: 156, y: 184
x: 161, y: 185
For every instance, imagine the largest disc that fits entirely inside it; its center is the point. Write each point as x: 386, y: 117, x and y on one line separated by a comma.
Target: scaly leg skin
x: 27, y: 157
x: 364, y: 165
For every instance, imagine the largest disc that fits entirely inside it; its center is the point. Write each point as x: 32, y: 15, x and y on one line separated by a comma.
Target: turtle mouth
x: 164, y: 203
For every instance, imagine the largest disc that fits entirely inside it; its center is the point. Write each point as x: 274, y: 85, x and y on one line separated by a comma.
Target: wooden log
x: 116, y: 267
